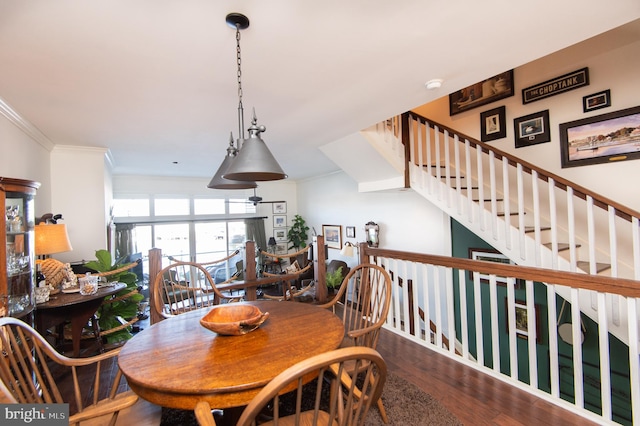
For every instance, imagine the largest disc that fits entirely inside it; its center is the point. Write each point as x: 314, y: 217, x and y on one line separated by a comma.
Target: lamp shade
x: 272, y: 241
x: 347, y: 249
x: 52, y: 238
x: 218, y: 182
x: 254, y: 161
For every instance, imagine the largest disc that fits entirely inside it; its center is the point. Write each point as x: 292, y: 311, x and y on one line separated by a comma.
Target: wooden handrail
x: 620, y: 286
x: 560, y: 182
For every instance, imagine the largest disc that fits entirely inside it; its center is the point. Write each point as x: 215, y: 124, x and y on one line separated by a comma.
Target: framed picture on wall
x: 490, y: 255
x: 601, y: 139
x: 279, y: 220
x: 532, y: 129
x: 484, y: 92
x: 350, y: 231
x: 332, y: 236
x: 493, y: 124
x: 522, y: 319
x: 596, y: 101
x: 279, y: 208
x: 280, y: 234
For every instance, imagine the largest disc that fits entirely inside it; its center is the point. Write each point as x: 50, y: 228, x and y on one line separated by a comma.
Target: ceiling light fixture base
x: 237, y: 20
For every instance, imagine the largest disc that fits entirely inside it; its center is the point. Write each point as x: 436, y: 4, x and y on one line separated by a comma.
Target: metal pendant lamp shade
x: 218, y: 182
x: 254, y: 161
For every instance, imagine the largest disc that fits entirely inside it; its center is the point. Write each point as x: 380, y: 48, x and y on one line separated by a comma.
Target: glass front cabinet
x: 17, y: 252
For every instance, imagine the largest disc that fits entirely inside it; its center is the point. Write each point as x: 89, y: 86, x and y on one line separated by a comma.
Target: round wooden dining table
x: 177, y: 362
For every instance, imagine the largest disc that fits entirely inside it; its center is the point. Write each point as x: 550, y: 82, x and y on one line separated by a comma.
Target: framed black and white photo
x: 350, y: 231
x: 532, y: 129
x: 493, y: 124
x: 596, y: 101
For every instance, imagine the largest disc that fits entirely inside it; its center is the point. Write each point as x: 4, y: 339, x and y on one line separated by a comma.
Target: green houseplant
x: 334, y: 279
x: 297, y: 235
x: 126, y: 306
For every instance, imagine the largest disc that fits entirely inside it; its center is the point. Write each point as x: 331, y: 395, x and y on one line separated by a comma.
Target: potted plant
x: 334, y: 279
x: 126, y: 307
x: 297, y: 235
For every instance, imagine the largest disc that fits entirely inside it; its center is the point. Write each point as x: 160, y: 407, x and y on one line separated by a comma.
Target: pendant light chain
x: 240, y: 108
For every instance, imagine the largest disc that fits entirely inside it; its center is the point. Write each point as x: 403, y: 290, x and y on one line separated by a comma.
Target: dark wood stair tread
x: 529, y: 229
x: 561, y: 246
x: 584, y: 265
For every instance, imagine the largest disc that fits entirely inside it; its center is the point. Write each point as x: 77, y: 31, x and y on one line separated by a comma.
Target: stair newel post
x: 250, y: 272
x: 155, y: 266
x: 319, y: 268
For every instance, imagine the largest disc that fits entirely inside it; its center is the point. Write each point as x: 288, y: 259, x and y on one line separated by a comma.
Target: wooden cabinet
x: 17, y: 251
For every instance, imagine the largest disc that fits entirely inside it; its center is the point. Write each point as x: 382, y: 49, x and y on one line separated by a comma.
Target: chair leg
x: 383, y: 412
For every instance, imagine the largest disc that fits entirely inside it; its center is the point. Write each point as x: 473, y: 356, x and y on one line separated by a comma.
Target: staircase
x: 530, y: 215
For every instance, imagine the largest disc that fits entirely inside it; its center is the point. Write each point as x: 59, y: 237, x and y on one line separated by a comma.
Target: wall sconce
x: 372, y: 231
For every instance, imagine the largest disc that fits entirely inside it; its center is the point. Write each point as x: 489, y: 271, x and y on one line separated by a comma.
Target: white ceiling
x: 155, y: 80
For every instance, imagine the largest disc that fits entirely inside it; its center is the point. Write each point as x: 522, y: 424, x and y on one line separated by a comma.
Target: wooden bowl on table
x: 233, y: 319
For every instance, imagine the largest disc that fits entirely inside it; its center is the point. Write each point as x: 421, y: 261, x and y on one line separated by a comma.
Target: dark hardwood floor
x: 474, y: 398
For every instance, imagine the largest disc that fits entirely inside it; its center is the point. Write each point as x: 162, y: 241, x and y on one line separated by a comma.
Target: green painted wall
x: 462, y: 241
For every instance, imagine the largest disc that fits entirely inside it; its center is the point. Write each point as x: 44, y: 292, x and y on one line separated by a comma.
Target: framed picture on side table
x: 332, y: 236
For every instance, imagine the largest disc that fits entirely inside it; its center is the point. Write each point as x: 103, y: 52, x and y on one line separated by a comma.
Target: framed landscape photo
x: 332, y: 236
x: 279, y: 220
x: 596, y: 101
x: 484, y: 92
x: 280, y: 234
x: 532, y: 129
x: 605, y: 138
x: 493, y: 124
x: 279, y: 208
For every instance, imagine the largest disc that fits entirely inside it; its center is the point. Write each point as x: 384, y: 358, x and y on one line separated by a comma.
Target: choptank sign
x: 555, y: 86
x: 34, y: 414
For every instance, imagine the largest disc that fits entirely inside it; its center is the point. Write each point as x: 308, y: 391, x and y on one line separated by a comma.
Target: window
x: 124, y: 207
x: 171, y: 207
x: 208, y: 206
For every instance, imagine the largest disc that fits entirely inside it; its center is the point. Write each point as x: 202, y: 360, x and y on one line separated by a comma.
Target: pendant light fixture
x: 254, y: 161
x: 218, y: 182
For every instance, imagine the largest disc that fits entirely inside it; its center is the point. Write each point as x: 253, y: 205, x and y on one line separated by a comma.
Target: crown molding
x: 23, y: 124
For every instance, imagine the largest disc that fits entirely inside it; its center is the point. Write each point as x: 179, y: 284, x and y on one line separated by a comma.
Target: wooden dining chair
x: 293, y: 397
x: 184, y: 286
x: 30, y: 366
x: 363, y: 303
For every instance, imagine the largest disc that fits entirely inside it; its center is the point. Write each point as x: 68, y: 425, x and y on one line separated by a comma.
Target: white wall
x: 23, y: 158
x: 79, y: 193
x: 611, y: 66
x: 407, y: 221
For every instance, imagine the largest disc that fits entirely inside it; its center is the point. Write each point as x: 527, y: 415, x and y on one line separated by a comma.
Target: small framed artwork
x: 493, y: 124
x: 281, y: 248
x: 279, y: 220
x: 350, y: 231
x: 532, y: 129
x: 279, y: 208
x: 596, y: 101
x: 484, y: 92
x: 332, y: 236
x: 280, y: 234
x: 522, y: 319
x: 489, y: 255
x: 604, y: 138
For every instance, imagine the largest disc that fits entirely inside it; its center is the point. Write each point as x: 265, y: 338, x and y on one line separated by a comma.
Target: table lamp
x: 51, y: 238
x: 272, y: 244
